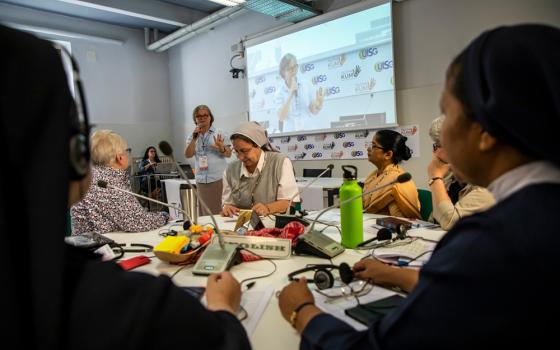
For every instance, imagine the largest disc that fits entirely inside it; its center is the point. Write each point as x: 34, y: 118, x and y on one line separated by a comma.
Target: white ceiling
x: 164, y: 15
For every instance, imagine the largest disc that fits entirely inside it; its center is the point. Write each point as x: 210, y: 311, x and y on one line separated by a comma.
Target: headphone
x: 323, y: 278
x: 79, y: 153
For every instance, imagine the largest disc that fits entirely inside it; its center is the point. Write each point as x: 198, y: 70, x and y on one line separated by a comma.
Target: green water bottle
x: 351, y: 216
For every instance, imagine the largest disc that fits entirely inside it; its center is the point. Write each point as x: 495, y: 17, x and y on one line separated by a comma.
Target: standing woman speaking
x: 210, y: 149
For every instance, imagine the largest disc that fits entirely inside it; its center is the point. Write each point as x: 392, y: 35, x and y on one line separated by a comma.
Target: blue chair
x: 425, y: 197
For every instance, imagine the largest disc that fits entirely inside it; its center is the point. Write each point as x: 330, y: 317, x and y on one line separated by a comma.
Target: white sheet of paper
x: 254, y: 302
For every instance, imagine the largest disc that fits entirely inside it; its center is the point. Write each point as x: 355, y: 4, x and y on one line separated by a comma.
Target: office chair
x: 425, y: 197
x: 316, y: 172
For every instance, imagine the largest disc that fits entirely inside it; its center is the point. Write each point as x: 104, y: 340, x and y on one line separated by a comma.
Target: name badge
x: 203, y: 162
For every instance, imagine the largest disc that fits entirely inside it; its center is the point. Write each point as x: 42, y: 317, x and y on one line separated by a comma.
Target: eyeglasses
x: 354, y: 290
x: 371, y: 145
x: 435, y: 146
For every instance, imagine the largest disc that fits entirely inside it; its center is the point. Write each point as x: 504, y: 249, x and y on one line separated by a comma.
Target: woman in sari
x: 386, y: 151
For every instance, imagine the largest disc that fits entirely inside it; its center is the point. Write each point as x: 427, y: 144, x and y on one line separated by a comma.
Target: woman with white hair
x: 261, y: 179
x: 105, y: 209
x: 452, y: 198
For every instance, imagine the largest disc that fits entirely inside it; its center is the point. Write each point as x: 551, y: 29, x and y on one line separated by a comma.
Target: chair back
x: 316, y: 172
x: 425, y: 198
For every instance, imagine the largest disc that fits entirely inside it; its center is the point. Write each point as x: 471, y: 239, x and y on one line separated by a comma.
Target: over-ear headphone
x: 323, y: 277
x: 79, y: 153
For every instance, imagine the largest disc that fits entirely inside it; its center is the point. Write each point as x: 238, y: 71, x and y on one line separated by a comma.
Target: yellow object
x: 172, y: 244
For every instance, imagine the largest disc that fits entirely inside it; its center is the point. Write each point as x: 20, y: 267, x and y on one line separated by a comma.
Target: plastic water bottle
x: 351, y: 214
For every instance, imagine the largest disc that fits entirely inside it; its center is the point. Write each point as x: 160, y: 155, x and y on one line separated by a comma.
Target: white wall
x: 427, y: 35
x: 126, y: 86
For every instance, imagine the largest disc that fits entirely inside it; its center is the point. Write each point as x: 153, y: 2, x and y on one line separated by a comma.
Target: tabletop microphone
x: 215, y: 258
x: 104, y: 184
x: 283, y: 219
x: 316, y: 243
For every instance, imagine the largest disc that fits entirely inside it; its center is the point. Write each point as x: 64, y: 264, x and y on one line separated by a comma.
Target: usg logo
x: 260, y: 80
x: 292, y: 148
x: 300, y: 156
x: 348, y: 144
x: 309, y: 146
x: 317, y: 155
x: 361, y: 134
x: 328, y: 146
x: 339, y: 135
x: 337, y: 154
x: 285, y: 139
x: 302, y: 138
x: 380, y: 66
x: 351, y: 74
x: 319, y: 79
x: 308, y: 67
x: 269, y: 90
x: 365, y: 53
x: 333, y: 90
x: 357, y: 153
x: 337, y: 61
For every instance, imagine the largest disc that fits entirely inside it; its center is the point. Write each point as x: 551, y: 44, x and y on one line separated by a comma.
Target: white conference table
x: 272, y: 331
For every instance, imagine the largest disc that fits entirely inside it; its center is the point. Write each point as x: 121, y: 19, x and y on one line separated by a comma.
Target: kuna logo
x: 337, y: 61
x: 285, y: 139
x: 300, y: 156
x: 351, y: 74
x: 302, y: 138
x: 337, y: 155
x: 361, y: 134
x: 328, y: 146
x: 292, y: 148
x: 365, y: 86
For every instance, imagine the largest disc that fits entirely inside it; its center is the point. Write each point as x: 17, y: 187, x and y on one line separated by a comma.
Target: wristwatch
x: 434, y: 179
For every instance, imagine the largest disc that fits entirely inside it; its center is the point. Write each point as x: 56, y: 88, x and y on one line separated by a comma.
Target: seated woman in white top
x: 452, y: 199
x: 261, y: 178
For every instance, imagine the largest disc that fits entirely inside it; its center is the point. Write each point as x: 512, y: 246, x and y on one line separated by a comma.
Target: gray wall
x: 126, y: 86
x: 427, y: 35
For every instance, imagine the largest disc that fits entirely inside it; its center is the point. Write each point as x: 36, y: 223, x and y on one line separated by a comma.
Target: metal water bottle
x: 351, y: 215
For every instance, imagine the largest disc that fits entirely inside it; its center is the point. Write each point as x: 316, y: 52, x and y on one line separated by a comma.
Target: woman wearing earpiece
x: 261, y: 179
x: 210, y: 148
x: 388, y: 149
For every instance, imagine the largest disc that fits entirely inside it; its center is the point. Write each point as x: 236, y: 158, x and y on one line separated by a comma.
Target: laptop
x: 164, y: 168
x: 188, y: 170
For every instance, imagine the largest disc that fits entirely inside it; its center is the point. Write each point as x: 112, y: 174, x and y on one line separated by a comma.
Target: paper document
x: 337, y: 306
x: 329, y: 217
x: 434, y: 235
x: 254, y: 302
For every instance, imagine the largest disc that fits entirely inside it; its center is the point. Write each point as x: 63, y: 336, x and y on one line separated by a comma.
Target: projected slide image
x: 336, y: 75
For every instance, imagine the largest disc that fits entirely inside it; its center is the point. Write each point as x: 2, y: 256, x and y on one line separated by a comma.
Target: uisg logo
x: 317, y: 155
x: 308, y: 67
x: 339, y: 135
x: 302, y: 138
x: 348, y: 144
x: 368, y: 52
x: 357, y: 153
x: 259, y: 80
x: 269, y: 90
x: 332, y: 90
x: 380, y: 66
x: 321, y: 78
x: 309, y: 146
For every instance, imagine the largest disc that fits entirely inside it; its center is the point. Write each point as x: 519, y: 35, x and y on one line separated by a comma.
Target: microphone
x: 216, y: 258
x: 318, y: 244
x: 104, y: 184
x: 283, y: 220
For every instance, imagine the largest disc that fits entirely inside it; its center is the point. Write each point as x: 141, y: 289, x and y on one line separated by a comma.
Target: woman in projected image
x: 387, y: 150
x: 299, y: 103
